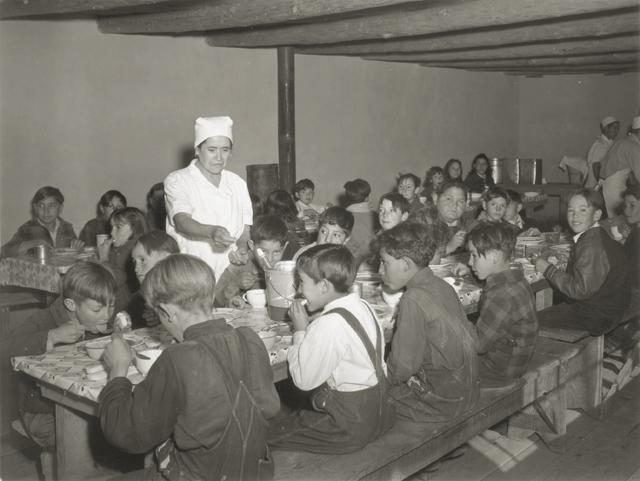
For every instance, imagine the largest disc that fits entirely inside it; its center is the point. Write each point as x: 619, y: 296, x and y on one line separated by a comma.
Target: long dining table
x: 62, y: 378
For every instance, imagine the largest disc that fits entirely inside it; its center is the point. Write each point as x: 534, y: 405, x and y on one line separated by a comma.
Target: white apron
x: 612, y: 190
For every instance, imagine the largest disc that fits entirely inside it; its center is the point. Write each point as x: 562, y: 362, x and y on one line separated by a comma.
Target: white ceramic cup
x: 256, y: 298
x: 100, y: 238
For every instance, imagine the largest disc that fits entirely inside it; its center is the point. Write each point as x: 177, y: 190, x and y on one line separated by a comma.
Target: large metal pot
x: 528, y: 171
x: 497, y: 170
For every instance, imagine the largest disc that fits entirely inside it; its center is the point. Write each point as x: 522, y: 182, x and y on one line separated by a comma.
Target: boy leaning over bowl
x: 203, y: 404
x: 84, y: 309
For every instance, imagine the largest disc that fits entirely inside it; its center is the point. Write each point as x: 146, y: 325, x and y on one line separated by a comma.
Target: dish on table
x: 96, y: 348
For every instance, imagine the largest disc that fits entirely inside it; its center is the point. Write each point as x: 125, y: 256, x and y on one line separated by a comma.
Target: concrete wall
x: 559, y: 115
x: 88, y: 112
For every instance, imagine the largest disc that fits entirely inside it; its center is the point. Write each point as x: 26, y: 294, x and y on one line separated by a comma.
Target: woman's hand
x: 117, y: 357
x: 220, y: 238
x: 299, y: 315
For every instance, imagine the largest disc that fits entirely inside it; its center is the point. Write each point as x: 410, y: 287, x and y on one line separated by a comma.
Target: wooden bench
x: 561, y: 374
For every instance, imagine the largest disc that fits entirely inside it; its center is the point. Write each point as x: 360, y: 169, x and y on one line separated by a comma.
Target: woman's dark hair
x: 449, y: 163
x: 478, y: 157
x: 280, y: 203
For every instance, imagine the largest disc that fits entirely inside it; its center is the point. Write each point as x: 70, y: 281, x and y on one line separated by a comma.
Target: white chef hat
x: 607, y: 121
x: 635, y: 124
x: 212, y: 126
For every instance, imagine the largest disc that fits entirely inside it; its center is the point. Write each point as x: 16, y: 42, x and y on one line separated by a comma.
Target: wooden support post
x: 286, y: 118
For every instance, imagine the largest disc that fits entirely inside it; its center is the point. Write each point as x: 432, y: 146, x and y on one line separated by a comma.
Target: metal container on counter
x: 497, y: 170
x: 528, y: 171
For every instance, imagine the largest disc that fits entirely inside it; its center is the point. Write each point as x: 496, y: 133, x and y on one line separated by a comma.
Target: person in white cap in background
x: 208, y: 207
x: 609, y: 127
x: 622, y: 160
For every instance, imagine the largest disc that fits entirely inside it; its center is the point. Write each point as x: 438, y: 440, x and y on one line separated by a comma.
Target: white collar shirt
x: 330, y: 350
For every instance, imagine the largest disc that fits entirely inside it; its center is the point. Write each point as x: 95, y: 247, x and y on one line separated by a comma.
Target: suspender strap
x: 359, y: 330
x: 237, y: 363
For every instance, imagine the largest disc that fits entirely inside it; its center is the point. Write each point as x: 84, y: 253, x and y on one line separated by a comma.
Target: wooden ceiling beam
x: 224, y: 14
x: 437, y: 18
x: 618, y: 22
x: 612, y: 59
x: 30, y: 8
x: 627, y: 43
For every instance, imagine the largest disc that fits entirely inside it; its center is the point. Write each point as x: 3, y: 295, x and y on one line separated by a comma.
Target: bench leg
x: 546, y: 415
x: 585, y: 383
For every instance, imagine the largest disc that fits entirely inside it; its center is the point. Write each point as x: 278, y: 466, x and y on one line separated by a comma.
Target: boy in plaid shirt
x: 508, y: 325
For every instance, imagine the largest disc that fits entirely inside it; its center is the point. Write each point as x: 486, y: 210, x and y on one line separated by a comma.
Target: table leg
x: 73, y: 448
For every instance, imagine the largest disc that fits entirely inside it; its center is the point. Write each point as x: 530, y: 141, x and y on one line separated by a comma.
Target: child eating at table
x: 204, y: 403
x: 596, y: 282
x: 335, y: 226
x: 46, y: 226
x: 356, y: 198
x: 508, y: 325
x: 433, y: 366
x: 127, y: 225
x: 109, y: 202
x: 268, y: 245
x: 394, y: 208
x: 304, y: 191
x: 340, y: 355
x: 150, y: 249
x: 84, y: 309
x: 408, y: 186
x: 494, y: 205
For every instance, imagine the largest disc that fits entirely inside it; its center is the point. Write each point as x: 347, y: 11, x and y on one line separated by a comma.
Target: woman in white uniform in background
x: 208, y: 208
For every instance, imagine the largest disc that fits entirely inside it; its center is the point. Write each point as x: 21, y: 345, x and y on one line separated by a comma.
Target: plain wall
x: 560, y: 115
x: 88, y: 112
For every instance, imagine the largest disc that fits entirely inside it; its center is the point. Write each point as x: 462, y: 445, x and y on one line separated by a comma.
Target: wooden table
x: 76, y: 402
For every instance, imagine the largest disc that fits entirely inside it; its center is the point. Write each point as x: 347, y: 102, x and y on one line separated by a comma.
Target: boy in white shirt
x: 340, y: 355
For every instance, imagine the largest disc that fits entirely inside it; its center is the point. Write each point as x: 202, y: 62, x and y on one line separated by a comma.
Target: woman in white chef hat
x: 208, y: 207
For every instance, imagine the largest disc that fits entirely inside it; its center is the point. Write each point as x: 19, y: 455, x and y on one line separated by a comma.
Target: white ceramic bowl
x: 96, y: 348
x: 268, y: 338
x: 144, y: 365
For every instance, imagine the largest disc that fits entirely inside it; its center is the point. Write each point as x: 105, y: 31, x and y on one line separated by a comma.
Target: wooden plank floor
x: 592, y: 449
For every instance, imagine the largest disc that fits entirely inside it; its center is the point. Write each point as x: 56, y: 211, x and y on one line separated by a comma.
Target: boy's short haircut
x: 397, y: 201
x: 514, y: 196
x: 337, y: 216
x: 269, y: 228
x: 449, y: 184
x: 134, y: 217
x: 432, y: 172
x: 493, y: 236
x: 331, y: 262
x: 183, y: 280
x: 108, y: 196
x: 593, y: 198
x: 158, y: 241
x: 495, y: 193
x: 89, y: 280
x: 356, y: 191
x: 47, y: 191
x: 413, y: 177
x: 409, y: 239
x: 304, y: 184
